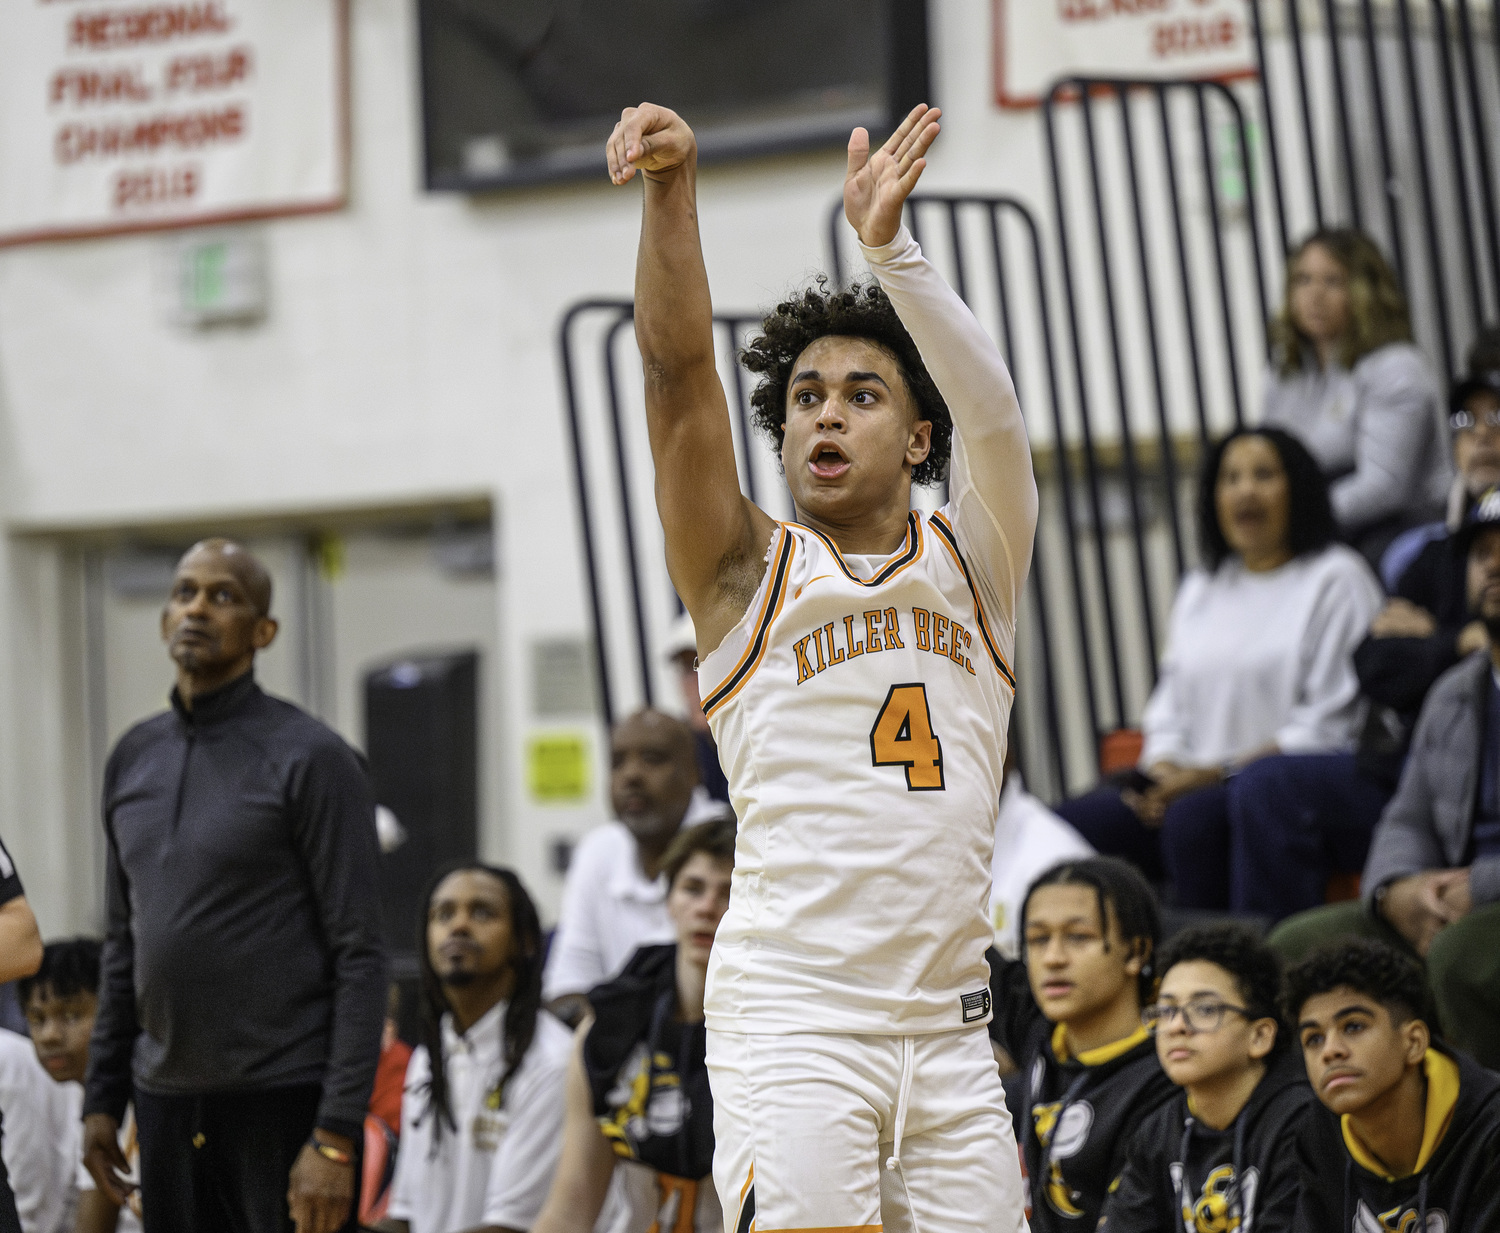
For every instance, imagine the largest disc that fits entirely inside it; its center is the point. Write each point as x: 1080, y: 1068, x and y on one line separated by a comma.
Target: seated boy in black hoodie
x: 1069, y: 1014
x: 1408, y: 1140
x: 1221, y: 1154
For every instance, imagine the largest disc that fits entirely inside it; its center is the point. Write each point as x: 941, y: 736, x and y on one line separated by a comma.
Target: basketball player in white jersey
x: 855, y: 669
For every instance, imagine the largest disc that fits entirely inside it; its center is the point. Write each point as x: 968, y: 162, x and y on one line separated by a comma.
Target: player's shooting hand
x: 319, y: 1190
x: 651, y: 139
x: 877, y: 185
x: 103, y: 1158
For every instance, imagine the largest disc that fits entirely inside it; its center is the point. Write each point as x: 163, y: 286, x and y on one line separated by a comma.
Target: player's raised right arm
x: 716, y: 539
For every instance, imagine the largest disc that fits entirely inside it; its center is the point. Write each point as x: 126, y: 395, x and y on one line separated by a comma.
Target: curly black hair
x: 1380, y: 972
x: 1120, y: 886
x: 863, y: 311
x: 68, y: 967
x: 1240, y: 952
x: 1310, y: 522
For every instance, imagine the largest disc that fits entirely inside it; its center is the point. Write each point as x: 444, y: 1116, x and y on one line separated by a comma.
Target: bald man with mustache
x: 243, y: 987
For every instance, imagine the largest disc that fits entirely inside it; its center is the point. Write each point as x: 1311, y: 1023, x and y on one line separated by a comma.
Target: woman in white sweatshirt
x: 1348, y: 382
x: 1242, y: 799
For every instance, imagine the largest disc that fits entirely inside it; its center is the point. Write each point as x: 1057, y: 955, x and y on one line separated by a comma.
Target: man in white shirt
x: 615, y: 899
x: 482, y: 1115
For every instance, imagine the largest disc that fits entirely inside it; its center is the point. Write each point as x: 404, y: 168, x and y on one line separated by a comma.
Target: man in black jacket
x: 1409, y: 1127
x: 243, y: 991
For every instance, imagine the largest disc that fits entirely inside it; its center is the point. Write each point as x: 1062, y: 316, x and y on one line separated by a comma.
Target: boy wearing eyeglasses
x: 1069, y: 1014
x: 1221, y: 1154
x: 1408, y: 1138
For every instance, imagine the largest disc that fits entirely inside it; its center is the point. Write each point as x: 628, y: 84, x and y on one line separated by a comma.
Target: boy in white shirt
x: 483, y: 1109
x: 59, y: 1003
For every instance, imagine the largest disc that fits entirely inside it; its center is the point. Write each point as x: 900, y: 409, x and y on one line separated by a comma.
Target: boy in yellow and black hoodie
x: 1221, y: 1154
x: 1408, y: 1139
x: 1069, y: 1014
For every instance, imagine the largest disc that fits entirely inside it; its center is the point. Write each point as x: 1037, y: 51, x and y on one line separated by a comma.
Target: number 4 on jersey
x: 903, y: 736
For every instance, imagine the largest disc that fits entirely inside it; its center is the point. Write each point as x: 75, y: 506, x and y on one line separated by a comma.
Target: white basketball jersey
x: 861, y: 722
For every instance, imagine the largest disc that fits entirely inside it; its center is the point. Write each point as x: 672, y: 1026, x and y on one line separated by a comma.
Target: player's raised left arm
x: 992, y: 489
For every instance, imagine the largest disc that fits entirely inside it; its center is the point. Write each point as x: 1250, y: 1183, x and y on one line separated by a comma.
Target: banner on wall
x: 123, y: 116
x: 1037, y: 42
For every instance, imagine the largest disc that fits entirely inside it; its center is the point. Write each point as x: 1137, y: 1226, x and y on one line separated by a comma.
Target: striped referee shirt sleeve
x: 991, y: 488
x: 10, y: 880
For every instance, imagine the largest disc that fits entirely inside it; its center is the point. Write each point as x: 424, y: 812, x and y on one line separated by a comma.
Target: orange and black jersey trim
x: 770, y: 609
x: 910, y: 551
x: 949, y: 540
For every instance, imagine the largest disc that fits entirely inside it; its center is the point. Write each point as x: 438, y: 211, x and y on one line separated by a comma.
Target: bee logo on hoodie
x: 1223, y: 1205
x: 1401, y: 1219
x: 1062, y: 1133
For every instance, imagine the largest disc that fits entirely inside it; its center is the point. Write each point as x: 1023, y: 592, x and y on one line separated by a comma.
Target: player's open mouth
x: 827, y: 461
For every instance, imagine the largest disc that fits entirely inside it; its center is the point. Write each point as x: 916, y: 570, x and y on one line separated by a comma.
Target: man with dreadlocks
x: 482, y: 1116
x: 856, y: 678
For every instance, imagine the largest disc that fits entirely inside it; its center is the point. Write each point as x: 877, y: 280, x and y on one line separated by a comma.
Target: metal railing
x: 1388, y: 111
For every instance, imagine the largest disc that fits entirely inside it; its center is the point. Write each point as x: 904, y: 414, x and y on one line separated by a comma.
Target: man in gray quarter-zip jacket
x: 243, y: 990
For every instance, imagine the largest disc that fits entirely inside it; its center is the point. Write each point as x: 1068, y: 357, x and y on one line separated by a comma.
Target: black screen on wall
x: 524, y: 91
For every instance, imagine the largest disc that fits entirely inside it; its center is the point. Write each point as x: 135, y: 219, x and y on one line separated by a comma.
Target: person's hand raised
x: 651, y: 139
x: 877, y: 185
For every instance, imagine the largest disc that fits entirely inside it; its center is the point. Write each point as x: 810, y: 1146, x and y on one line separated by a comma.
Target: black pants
x: 220, y: 1163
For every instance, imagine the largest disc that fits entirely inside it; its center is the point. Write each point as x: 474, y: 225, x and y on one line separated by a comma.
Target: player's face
x: 697, y: 902
x: 1253, y: 498
x: 852, y: 435
x: 469, y: 935
x: 652, y: 775
x: 60, y: 1029
x: 1205, y: 991
x: 1077, y: 969
x: 1354, y: 1049
x: 1319, y: 295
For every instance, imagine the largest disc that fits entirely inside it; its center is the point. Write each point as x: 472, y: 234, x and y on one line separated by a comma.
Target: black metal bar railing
x: 1431, y: 223
x: 1389, y: 184
x: 572, y: 405
x: 1480, y: 118
x: 1341, y: 110
x: 1268, y: 127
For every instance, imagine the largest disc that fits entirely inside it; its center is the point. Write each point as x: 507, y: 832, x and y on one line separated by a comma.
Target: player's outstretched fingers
x: 859, y: 151
x: 904, y: 129
x: 916, y: 142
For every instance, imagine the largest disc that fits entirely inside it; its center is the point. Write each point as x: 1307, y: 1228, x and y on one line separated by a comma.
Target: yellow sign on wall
x: 557, y: 767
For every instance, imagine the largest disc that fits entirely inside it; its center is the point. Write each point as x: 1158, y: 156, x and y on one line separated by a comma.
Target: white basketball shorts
x: 909, y: 1134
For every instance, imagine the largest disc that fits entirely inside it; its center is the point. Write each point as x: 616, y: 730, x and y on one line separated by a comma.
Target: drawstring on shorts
x: 907, y: 1067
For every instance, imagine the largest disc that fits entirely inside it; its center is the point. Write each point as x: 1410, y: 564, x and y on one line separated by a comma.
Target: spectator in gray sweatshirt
x: 1348, y: 381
